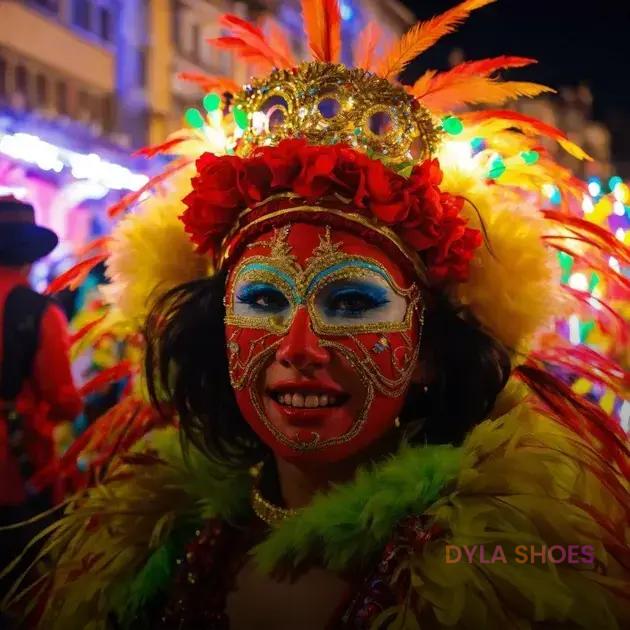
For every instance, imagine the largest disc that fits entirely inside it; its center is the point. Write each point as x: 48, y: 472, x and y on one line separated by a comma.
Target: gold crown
x: 329, y: 104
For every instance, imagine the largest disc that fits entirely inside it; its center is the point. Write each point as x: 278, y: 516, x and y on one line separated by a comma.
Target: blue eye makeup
x: 353, y: 300
x: 262, y: 298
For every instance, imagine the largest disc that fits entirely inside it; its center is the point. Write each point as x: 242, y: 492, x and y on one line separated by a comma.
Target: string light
x: 619, y: 209
x: 587, y: 204
x: 578, y: 281
x: 594, y: 187
x: 49, y: 157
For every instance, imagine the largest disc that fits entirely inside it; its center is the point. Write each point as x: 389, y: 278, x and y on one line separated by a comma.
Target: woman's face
x: 323, y: 332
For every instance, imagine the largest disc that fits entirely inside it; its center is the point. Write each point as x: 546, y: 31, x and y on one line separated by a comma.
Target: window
x: 62, y: 98
x: 83, y: 99
x: 81, y: 14
x: 41, y: 90
x: 142, y: 67
x: 3, y: 77
x: 195, y: 36
x: 50, y: 5
x: 108, y: 113
x: 105, y: 24
x: 21, y: 81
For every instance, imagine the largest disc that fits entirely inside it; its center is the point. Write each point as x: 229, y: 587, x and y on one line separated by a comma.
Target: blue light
x: 346, y: 10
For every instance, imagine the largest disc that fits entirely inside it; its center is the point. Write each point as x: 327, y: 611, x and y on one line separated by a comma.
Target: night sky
x: 575, y: 42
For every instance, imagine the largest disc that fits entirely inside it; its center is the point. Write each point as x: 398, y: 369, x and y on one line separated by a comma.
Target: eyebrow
x: 361, y: 264
x: 276, y: 272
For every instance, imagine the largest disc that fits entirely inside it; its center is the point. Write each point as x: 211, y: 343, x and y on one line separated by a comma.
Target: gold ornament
x: 266, y: 511
x: 331, y: 104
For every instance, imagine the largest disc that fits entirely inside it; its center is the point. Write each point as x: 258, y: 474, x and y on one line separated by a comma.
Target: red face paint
x: 323, y: 332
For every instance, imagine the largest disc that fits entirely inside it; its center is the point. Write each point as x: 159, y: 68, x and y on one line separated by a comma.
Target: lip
x: 311, y: 386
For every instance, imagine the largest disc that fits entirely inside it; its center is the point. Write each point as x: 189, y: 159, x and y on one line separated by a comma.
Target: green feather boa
x: 348, y: 525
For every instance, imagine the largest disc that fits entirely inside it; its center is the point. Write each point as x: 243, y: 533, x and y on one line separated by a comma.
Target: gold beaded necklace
x: 265, y: 510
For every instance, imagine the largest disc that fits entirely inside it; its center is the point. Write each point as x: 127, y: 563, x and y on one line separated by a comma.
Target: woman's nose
x: 300, y: 347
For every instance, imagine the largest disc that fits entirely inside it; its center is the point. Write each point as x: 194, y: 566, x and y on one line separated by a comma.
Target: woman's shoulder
x: 118, y: 544
x: 533, y: 529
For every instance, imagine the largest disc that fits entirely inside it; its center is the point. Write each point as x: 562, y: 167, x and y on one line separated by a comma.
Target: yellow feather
x: 423, y: 35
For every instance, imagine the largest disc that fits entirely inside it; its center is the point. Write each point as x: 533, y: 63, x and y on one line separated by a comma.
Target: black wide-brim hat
x: 22, y: 241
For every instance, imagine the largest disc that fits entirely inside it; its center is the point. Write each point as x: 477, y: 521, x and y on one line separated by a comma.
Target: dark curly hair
x: 186, y: 367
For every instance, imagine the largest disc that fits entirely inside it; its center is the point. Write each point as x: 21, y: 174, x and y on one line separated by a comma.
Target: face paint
x: 323, y: 331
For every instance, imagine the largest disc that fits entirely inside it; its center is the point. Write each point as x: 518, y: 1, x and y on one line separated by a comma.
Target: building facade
x: 85, y: 82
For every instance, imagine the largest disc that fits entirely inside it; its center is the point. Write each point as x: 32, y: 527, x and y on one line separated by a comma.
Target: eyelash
x: 372, y: 297
x: 251, y: 294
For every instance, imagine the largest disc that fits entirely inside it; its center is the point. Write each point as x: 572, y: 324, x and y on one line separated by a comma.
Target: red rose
x: 217, y: 180
x: 388, y: 194
x: 284, y: 161
x: 315, y: 178
x: 350, y: 175
x: 254, y: 180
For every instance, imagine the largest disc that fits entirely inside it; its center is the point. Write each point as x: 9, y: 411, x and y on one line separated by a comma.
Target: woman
x: 369, y: 433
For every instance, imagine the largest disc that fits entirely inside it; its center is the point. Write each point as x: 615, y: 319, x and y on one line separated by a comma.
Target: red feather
x: 365, y: 47
x: 107, y: 377
x: 75, y: 276
x: 279, y: 41
x: 250, y: 43
x: 156, y: 149
x: 592, y: 234
x: 577, y: 414
x: 322, y: 24
x: 244, y: 51
x: 210, y: 84
x: 92, y: 246
x: 131, y: 198
x: 84, y: 330
x: 528, y: 125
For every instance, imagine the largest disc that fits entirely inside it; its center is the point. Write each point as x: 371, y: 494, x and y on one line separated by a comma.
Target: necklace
x: 265, y: 510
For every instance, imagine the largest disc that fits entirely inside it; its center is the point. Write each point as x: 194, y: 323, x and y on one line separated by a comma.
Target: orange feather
x: 527, y: 125
x: 322, y: 25
x: 249, y: 43
x: 481, y: 68
x: 279, y: 41
x: 365, y: 47
x: 447, y: 92
x: 423, y: 35
x: 210, y: 84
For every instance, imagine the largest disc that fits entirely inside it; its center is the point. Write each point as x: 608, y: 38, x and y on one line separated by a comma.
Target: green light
x: 530, y: 157
x: 211, y: 102
x: 593, y: 282
x: 613, y: 182
x: 194, y: 118
x: 566, y: 262
x: 497, y: 168
x: 452, y: 125
x: 477, y: 143
x: 585, y: 329
x: 240, y: 116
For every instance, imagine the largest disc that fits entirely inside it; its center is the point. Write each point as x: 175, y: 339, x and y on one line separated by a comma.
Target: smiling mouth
x: 308, y: 400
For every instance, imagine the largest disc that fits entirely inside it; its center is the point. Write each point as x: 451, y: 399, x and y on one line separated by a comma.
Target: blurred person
x: 36, y: 385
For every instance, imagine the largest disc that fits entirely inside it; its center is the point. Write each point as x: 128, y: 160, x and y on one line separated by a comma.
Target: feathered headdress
x: 458, y: 196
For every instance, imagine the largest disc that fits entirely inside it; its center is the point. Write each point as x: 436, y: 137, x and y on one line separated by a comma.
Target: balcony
x: 43, y: 39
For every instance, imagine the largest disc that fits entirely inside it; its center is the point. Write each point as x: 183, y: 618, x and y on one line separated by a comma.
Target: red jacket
x: 48, y: 396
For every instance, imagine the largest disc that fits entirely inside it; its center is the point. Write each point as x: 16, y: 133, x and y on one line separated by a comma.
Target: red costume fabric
x: 48, y: 396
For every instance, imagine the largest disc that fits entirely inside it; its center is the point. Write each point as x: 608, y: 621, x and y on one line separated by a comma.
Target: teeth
x: 310, y: 401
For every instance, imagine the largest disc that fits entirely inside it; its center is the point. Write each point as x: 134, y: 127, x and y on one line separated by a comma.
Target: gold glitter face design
x: 343, y: 293
x: 351, y: 304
